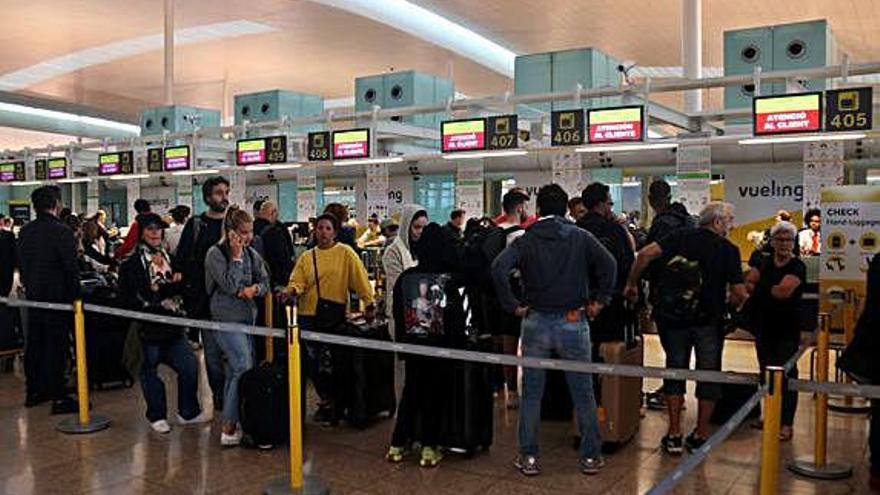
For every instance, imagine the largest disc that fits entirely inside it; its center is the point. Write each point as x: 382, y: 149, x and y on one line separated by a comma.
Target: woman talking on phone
x: 235, y: 278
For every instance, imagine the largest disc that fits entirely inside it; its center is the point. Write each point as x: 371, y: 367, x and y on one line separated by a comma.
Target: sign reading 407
x: 849, y: 109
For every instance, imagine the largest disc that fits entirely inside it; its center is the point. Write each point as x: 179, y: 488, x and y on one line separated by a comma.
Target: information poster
x: 823, y: 167
x: 567, y: 171
x: 469, y: 187
x: 614, y: 125
x: 306, y: 193
x: 850, y: 237
x: 757, y: 193
x: 787, y: 114
x: 377, y: 190
x: 693, y: 168
x: 133, y: 193
x: 93, y: 197
x: 463, y: 135
x: 237, y: 187
x: 185, y: 191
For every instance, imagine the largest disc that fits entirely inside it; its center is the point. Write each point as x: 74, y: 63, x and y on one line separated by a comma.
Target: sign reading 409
x: 849, y: 109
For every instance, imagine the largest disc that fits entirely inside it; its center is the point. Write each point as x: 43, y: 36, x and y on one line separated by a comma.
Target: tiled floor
x: 130, y: 459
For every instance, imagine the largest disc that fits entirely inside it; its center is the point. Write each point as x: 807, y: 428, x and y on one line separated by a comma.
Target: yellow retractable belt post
x: 270, y: 323
x: 772, y: 425
x: 297, y: 482
x: 85, y: 422
x: 818, y: 467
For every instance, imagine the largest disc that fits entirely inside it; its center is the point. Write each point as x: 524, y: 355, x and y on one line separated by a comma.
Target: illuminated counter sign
x: 260, y: 151
x: 116, y: 163
x: 502, y: 132
x: 567, y: 127
x: 155, y: 160
x: 351, y: 144
x: 463, y: 135
x: 10, y: 172
x: 787, y: 114
x: 849, y: 109
x: 177, y: 158
x: 614, y: 125
x: 57, y: 168
x: 318, y: 147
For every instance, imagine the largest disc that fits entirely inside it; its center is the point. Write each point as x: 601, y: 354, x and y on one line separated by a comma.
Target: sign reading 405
x: 849, y: 109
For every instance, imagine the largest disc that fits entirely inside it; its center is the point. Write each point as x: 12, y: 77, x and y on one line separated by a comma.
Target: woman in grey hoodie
x: 398, y: 256
x: 235, y: 277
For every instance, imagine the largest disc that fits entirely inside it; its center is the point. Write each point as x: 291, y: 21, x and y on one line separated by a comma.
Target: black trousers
x: 46, y: 353
x: 874, y: 437
x: 422, y: 404
x: 775, y: 351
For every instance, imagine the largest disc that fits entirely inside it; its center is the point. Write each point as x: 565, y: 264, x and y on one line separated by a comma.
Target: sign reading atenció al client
x: 787, y: 114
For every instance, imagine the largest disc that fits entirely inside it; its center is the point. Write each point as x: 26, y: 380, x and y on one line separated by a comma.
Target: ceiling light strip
x: 803, y: 138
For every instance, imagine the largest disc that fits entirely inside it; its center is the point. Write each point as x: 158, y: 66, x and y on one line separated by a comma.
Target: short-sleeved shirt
x: 719, y: 261
x: 779, y: 317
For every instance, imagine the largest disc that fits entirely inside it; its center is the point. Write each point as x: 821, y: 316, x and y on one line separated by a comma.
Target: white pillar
x: 169, y: 52
x: 692, y: 51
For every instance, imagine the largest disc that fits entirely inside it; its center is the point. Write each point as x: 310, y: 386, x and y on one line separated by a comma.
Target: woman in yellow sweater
x: 339, y: 271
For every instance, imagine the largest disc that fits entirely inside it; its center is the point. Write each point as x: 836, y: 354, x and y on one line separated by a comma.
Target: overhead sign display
x: 318, y: 146
x: 121, y: 162
x: 502, y: 132
x: 787, y: 114
x: 261, y: 151
x: 57, y: 168
x: 41, y: 169
x: 567, y: 127
x: 849, y: 109
x: 351, y: 144
x: 614, y: 125
x: 463, y: 135
x: 13, y: 171
x: 155, y: 159
x: 177, y: 158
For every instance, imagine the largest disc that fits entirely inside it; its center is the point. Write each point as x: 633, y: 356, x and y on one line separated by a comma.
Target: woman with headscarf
x: 398, y: 256
x: 424, y: 403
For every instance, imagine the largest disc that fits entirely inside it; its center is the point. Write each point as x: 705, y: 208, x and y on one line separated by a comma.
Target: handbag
x: 329, y: 315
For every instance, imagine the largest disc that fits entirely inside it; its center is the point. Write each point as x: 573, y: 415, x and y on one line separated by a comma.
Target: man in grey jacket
x: 557, y: 260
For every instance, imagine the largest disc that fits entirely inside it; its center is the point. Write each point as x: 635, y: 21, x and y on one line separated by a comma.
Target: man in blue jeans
x: 557, y: 261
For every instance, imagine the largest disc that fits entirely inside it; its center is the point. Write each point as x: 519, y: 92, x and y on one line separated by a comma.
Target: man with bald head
x: 277, y: 249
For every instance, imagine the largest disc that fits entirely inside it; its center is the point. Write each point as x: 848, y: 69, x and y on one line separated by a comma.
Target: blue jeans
x: 542, y: 334
x: 214, y: 366
x: 178, y: 355
x: 238, y: 351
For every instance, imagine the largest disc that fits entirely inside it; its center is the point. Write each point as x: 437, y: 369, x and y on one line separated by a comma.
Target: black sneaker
x: 67, y: 405
x: 325, y: 416
x: 527, y: 465
x: 693, y: 442
x: 672, y: 445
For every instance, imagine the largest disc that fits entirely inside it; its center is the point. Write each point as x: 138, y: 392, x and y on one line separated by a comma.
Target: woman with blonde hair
x: 235, y: 279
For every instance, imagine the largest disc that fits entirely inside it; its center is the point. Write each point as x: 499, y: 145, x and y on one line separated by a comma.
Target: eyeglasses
x: 783, y: 239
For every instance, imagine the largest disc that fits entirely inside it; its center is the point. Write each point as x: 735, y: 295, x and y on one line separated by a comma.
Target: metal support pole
x: 296, y: 483
x: 772, y: 425
x: 270, y: 323
x: 169, y: 52
x: 84, y: 422
x: 818, y: 467
x: 692, y: 51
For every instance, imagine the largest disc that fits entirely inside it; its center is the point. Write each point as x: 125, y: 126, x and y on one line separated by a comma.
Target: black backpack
x: 612, y: 236
x: 680, y: 290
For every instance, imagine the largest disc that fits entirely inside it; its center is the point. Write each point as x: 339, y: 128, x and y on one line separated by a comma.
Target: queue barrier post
x: 297, y: 482
x: 84, y: 422
x: 819, y: 467
x: 270, y: 323
x: 770, y: 436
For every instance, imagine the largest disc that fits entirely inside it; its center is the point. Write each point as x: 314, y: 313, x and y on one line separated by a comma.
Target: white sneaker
x: 203, y: 417
x: 161, y: 426
x: 232, y: 440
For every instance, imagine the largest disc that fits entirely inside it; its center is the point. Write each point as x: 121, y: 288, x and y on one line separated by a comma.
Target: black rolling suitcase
x: 469, y: 420
x: 364, y: 378
x: 263, y: 405
x: 105, y: 339
x: 733, y: 397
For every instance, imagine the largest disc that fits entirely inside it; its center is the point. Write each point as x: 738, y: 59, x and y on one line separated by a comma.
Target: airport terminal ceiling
x: 311, y: 46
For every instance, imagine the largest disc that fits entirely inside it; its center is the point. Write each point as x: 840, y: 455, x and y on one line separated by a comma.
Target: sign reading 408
x: 849, y: 109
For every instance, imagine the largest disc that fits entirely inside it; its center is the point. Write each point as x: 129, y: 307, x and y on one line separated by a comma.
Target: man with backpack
x: 668, y: 217
x: 692, y: 289
x: 599, y: 220
x: 556, y: 260
x: 199, y: 234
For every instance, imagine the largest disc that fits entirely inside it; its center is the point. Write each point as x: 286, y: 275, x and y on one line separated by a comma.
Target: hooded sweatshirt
x: 398, y: 257
x: 556, y: 259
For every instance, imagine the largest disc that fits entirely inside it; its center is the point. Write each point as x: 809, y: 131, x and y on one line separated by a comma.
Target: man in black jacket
x: 559, y: 263
x: 599, y: 221
x: 277, y: 251
x: 8, y: 258
x: 47, y: 253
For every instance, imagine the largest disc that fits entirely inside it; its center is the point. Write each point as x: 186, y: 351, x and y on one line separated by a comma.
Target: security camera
x: 626, y: 70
